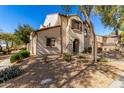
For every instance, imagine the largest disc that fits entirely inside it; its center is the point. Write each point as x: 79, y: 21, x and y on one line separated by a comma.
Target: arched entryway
x: 76, y: 46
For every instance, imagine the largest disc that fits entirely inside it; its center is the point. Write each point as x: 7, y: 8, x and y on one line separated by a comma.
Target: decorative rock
x: 46, y: 81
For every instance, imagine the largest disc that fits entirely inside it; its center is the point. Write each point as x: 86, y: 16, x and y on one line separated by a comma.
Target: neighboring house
x: 106, y: 43
x: 59, y: 34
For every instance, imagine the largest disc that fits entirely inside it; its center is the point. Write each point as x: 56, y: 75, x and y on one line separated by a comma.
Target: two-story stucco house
x: 107, y: 43
x: 59, y: 34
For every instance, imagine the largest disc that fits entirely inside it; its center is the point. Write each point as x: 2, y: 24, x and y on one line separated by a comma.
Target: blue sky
x: 12, y: 16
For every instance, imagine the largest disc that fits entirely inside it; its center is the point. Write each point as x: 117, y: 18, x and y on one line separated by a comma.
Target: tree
x: 22, y: 34
x: 122, y: 37
x: 86, y: 11
x: 112, y: 17
x: 6, y: 38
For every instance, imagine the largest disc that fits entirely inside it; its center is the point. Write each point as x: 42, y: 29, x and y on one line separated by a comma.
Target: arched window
x: 76, y: 25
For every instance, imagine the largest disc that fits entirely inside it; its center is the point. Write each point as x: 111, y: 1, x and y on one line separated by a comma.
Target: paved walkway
x: 5, y: 63
x: 119, y: 83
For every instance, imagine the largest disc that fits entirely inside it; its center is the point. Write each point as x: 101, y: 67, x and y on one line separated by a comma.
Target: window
x: 50, y: 42
x: 85, y: 32
x: 76, y: 25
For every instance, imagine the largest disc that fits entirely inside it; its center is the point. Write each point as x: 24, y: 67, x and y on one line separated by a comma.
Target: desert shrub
x: 89, y: 49
x: 44, y: 57
x: 5, y: 51
x: 24, y: 54
x: 23, y: 48
x: 81, y: 56
x: 19, y: 56
x: 99, y: 50
x: 14, y: 57
x: 102, y: 59
x: 9, y: 73
x: 1, y: 53
x: 85, y: 50
x: 67, y: 57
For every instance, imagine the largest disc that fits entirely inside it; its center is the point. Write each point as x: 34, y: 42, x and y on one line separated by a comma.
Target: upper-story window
x: 76, y: 25
x: 50, y: 42
x: 85, y: 33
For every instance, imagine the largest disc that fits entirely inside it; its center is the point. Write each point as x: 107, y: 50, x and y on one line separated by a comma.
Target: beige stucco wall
x: 106, y: 43
x: 52, y: 20
x: 41, y: 41
x: 108, y: 48
x: 99, y: 41
x: 64, y: 30
x: 111, y: 40
x: 38, y: 43
x: 71, y: 35
x: 87, y: 40
x: 33, y: 43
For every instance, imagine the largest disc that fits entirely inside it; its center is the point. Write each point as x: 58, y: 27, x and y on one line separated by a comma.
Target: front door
x: 76, y: 46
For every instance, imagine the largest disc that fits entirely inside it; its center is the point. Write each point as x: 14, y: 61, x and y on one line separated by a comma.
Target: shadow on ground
x: 3, y: 57
x: 76, y: 73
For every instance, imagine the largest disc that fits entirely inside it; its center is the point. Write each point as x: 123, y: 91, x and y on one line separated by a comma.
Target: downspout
x: 61, y: 35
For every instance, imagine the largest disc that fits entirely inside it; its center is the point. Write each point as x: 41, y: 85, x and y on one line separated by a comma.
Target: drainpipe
x: 61, y: 35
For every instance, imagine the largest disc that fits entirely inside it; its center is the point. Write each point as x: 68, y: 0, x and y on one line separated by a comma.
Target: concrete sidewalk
x: 119, y: 83
x: 5, y: 63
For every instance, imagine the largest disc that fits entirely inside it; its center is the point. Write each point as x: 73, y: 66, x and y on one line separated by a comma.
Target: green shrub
x: 15, y: 57
x: 67, y: 57
x: 24, y: 54
x: 19, y: 56
x: 81, y: 56
x: 5, y: 51
x: 99, y: 50
x: 9, y: 73
x: 44, y: 58
x: 102, y: 59
x: 23, y: 48
x: 89, y: 49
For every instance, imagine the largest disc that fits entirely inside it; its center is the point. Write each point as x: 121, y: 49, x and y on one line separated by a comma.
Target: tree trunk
x: 7, y: 46
x: 0, y: 48
x: 94, y: 46
x: 94, y: 42
x: 12, y: 45
x: 118, y: 43
x: 86, y: 14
